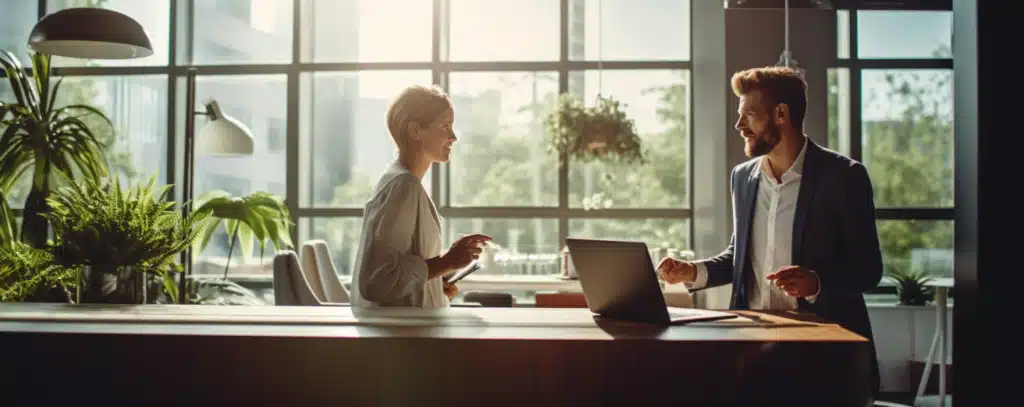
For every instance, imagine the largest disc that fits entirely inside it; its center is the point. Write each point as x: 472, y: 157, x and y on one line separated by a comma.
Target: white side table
x: 942, y: 286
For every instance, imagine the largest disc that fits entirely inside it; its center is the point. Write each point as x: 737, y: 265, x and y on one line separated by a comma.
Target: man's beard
x: 766, y: 141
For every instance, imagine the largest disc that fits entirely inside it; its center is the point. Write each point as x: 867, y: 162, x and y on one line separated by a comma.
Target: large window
x: 344, y: 139
x: 501, y: 30
x: 891, y: 107
x: 313, y: 79
x: 658, y: 103
x: 366, y: 31
x: 501, y: 158
x: 258, y: 101
x: 15, y: 23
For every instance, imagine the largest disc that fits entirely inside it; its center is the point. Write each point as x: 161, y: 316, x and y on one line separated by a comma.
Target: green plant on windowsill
x: 119, y: 238
x: 910, y: 286
x: 599, y: 133
x: 28, y: 274
x: 259, y: 218
x: 41, y: 139
x: 8, y: 223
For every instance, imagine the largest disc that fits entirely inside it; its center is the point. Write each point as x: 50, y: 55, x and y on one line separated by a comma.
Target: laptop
x: 619, y: 282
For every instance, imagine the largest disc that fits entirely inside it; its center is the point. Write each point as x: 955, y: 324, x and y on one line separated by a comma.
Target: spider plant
x: 8, y: 223
x: 261, y: 217
x: 37, y: 136
x: 910, y: 285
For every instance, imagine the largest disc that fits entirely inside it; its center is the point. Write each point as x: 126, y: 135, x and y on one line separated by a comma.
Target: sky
x: 902, y: 34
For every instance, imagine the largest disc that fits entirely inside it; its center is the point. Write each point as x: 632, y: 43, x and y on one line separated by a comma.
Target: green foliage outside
x: 909, y: 158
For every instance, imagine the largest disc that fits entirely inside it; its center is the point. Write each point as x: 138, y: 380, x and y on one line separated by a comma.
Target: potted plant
x: 27, y: 273
x: 40, y: 138
x: 117, y: 238
x: 910, y: 285
x: 259, y: 217
x: 601, y: 132
x: 8, y: 223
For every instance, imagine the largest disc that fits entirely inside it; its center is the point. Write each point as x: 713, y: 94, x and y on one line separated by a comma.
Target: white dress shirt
x: 401, y: 230
x: 771, y: 239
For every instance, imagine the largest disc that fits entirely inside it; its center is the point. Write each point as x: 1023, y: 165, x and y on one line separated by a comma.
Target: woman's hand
x: 465, y: 250
x: 450, y: 290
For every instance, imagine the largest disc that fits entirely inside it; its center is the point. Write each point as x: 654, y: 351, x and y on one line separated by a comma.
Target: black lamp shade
x: 90, y: 33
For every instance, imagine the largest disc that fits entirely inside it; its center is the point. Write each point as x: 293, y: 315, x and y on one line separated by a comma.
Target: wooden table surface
x: 457, y: 323
x: 455, y: 356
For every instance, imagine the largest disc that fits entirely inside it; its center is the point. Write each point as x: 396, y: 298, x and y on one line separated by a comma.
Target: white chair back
x: 334, y: 290
x: 290, y: 284
x: 310, y: 269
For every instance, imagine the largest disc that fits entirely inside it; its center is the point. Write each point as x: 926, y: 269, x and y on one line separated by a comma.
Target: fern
x: 100, y: 223
x: 29, y: 274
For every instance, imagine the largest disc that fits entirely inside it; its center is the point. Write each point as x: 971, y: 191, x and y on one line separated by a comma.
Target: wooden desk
x: 451, y: 357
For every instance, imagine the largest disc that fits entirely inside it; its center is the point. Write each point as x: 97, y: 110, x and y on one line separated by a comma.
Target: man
x: 804, y: 234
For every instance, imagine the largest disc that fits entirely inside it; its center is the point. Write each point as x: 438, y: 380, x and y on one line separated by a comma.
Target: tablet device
x: 459, y: 275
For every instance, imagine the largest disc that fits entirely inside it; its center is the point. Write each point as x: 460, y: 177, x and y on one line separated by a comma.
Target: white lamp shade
x: 224, y: 136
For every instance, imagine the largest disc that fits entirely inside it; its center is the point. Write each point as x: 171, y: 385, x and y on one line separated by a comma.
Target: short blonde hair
x: 415, y: 104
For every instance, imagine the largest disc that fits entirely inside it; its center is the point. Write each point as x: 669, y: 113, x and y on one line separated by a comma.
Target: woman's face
x: 435, y: 139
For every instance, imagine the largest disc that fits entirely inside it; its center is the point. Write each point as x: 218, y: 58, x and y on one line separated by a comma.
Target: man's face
x: 757, y: 125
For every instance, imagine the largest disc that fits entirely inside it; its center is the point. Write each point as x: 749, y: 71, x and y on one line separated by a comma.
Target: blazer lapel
x: 748, y: 204
x: 803, y: 201
x: 745, y: 215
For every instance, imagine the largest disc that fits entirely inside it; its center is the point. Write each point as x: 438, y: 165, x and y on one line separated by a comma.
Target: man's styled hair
x: 778, y: 85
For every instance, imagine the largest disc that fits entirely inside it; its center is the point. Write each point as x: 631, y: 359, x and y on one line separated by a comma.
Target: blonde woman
x: 401, y: 262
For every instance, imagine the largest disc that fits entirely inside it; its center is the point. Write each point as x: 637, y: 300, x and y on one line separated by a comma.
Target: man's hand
x: 795, y: 281
x: 450, y: 290
x: 674, y: 271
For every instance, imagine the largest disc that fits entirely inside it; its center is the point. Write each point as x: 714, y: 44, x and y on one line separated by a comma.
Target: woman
x: 400, y: 261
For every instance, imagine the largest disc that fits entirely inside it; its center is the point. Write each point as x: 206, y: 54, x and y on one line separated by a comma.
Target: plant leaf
x: 245, y: 238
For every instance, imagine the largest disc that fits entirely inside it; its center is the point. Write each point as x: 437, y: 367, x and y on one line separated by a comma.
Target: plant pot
x: 111, y: 285
x: 913, y: 296
x: 597, y: 139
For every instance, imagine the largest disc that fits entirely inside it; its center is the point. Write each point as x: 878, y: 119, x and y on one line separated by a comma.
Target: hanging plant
x: 602, y: 132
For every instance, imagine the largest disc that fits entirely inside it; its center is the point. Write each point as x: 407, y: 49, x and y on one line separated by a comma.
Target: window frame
x: 856, y: 66
x: 179, y: 49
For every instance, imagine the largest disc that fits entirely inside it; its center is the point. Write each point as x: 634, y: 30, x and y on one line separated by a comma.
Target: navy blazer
x: 834, y: 234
